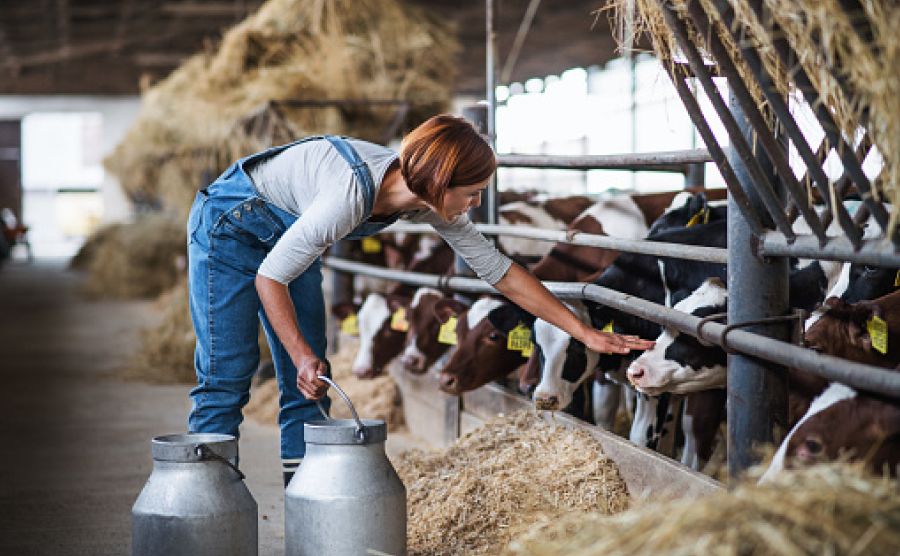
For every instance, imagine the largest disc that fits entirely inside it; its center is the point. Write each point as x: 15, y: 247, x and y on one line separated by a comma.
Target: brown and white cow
x: 482, y: 353
x: 841, y: 423
x: 846, y: 330
x: 422, y: 349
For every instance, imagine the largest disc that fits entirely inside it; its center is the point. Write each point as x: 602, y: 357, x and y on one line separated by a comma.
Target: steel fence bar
x: 665, y: 161
x: 735, y: 187
x: 762, y: 184
x: 832, y: 131
x: 644, y: 247
x: 854, y: 374
x: 777, y: 152
x: 821, y: 154
x: 872, y: 252
x: 781, y: 109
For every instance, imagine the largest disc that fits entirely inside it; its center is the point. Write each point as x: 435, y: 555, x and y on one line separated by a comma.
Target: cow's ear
x: 858, y: 336
x: 446, y: 308
x: 508, y: 316
x: 397, y: 301
x: 344, y: 309
x: 832, y: 302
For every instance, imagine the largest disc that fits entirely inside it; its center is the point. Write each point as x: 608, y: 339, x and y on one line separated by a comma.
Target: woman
x: 254, y: 240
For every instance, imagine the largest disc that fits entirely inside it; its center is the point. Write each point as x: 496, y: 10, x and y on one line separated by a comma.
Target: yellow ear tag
x: 897, y: 280
x: 700, y: 217
x: 398, y: 320
x: 519, y: 338
x: 371, y: 245
x: 447, y: 333
x: 350, y: 325
x: 608, y: 328
x: 529, y: 350
x: 878, y: 332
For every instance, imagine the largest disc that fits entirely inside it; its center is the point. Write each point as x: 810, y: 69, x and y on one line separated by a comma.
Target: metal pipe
x: 831, y: 129
x: 873, y: 252
x: 757, y: 394
x: 490, y: 198
x: 761, y: 182
x: 853, y: 374
x: 667, y: 161
x: 656, y: 248
x: 777, y: 155
x: 781, y: 109
x: 732, y: 182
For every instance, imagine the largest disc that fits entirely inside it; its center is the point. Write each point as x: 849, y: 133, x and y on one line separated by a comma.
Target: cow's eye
x: 494, y: 336
x: 814, y: 445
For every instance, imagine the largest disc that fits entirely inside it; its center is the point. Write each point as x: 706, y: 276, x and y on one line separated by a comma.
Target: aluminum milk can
x: 195, y: 501
x: 346, y: 499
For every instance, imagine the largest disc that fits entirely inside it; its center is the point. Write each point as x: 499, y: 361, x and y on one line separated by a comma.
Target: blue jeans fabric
x: 231, y: 229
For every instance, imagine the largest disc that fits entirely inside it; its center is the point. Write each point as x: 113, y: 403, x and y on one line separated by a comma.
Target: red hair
x: 444, y: 152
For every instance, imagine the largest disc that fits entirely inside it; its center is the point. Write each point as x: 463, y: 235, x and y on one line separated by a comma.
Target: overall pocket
x: 251, y: 222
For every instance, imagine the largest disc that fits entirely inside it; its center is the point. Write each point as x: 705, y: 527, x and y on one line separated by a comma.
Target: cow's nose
x: 364, y: 372
x: 412, y: 362
x: 635, y: 372
x: 547, y: 403
x: 448, y: 382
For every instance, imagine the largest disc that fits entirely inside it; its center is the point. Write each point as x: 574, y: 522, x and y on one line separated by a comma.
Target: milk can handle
x: 205, y: 452
x: 360, y: 428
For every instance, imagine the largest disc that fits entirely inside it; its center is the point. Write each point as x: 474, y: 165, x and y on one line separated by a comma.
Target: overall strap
x: 360, y: 168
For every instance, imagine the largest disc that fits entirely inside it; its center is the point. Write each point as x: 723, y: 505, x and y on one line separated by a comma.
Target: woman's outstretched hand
x: 607, y: 342
x: 308, y: 370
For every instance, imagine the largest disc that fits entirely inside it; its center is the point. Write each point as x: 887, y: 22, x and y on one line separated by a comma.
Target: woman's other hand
x: 606, y: 342
x: 308, y: 370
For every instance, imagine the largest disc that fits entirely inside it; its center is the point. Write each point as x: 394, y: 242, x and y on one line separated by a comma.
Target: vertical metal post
x: 490, y: 197
x: 695, y: 175
x: 341, y: 291
x: 757, y: 391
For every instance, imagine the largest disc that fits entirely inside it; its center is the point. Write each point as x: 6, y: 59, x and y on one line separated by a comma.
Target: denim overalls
x: 231, y: 229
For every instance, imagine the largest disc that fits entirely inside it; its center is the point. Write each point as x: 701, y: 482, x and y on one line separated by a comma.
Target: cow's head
x: 843, y: 329
x: 422, y: 345
x: 860, y: 428
x: 680, y: 363
x: 481, y: 353
x: 566, y: 363
x: 379, y: 342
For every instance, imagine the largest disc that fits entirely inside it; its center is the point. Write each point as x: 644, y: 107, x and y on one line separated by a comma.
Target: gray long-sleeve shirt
x: 313, y: 181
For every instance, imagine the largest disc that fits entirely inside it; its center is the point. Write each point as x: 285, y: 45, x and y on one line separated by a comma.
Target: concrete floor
x: 75, y: 438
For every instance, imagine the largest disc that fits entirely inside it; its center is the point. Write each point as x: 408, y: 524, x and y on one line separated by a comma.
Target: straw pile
x: 378, y: 398
x: 140, y: 259
x: 831, y: 49
x: 829, y: 509
x: 499, y: 480
x: 223, y: 104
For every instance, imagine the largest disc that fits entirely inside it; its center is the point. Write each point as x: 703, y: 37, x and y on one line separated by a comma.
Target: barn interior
x: 114, y: 113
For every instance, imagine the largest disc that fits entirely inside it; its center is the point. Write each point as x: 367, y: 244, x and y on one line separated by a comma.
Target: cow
x: 482, y: 345
x: 842, y: 423
x: 422, y: 348
x: 867, y: 332
x: 552, y: 214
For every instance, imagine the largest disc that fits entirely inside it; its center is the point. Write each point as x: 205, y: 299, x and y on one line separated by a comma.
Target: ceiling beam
x: 160, y: 59
x: 207, y: 9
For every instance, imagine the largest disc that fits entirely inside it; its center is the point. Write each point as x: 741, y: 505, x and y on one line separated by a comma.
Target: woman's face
x: 458, y: 200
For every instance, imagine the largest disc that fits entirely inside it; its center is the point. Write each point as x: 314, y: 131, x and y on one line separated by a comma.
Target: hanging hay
x: 829, y: 509
x: 498, y: 480
x: 378, y: 398
x: 855, y: 76
x: 217, y: 106
x: 166, y: 354
x: 140, y: 259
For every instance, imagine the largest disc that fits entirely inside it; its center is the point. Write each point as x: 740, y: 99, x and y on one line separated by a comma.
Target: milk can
x: 346, y: 498
x: 195, y: 501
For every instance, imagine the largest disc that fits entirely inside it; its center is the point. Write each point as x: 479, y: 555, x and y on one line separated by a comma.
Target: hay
x: 829, y: 509
x: 378, y: 398
x: 500, y: 479
x: 828, y: 45
x: 140, y: 259
x: 218, y: 105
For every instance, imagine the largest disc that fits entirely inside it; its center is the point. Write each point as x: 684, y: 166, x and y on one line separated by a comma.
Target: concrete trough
x: 440, y: 419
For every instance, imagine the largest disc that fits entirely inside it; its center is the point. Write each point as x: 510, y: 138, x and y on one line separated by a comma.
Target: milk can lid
x: 344, y: 431
x: 183, y: 447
